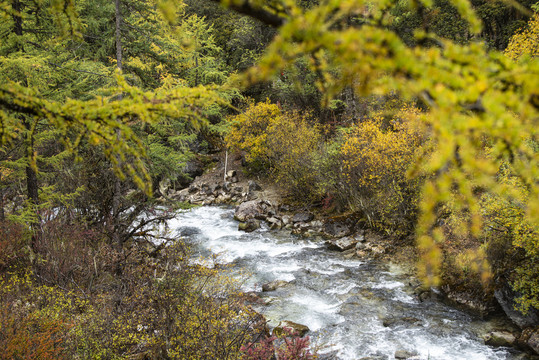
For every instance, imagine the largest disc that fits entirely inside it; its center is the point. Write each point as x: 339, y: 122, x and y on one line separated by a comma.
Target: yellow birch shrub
x: 280, y: 143
x: 376, y: 157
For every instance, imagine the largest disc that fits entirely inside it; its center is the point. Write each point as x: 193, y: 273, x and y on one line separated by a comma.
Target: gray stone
x: 342, y: 244
x: 249, y: 226
x: 404, y: 354
x: 302, y: 217
x: 231, y: 173
x: 401, y: 321
x: 274, y: 285
x: 296, y: 328
x: 188, y: 231
x: 274, y: 223
x: 249, y: 210
x: 505, y: 297
x: 253, y: 186
x: 287, y: 220
x: 337, y: 229
x: 533, y: 341
x: 500, y: 338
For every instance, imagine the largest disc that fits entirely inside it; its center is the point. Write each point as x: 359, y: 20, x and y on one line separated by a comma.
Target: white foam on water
x: 346, y: 263
x: 342, y: 289
x: 386, y: 285
x: 404, y: 297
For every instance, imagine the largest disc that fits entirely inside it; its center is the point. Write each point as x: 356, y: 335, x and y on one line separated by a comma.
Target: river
x: 355, y: 308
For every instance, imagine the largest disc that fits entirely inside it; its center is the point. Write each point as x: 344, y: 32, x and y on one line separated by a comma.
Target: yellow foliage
x: 525, y: 42
x: 281, y: 142
x: 376, y: 158
x: 506, y: 226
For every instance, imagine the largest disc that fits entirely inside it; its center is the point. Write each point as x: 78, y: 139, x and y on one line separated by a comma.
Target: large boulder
x: 337, y: 229
x: 302, y: 217
x: 529, y: 340
x: 274, y: 285
x: 500, y: 338
x: 249, y: 226
x: 191, y: 170
x: 253, y: 186
x: 295, y: 328
x: 506, y: 298
x: 249, y: 210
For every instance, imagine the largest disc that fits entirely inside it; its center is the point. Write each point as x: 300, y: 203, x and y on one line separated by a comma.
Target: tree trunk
x: 32, y: 185
x: 116, y: 197
x: 17, y: 19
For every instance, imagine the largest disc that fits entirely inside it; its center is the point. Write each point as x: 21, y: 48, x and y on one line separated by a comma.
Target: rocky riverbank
x: 257, y: 202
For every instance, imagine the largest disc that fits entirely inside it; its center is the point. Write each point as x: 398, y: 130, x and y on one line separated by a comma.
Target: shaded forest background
x: 418, y: 118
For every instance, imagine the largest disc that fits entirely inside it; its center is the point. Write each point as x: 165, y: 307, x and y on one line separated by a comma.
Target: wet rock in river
x: 188, y: 231
x: 404, y: 354
x: 401, y: 321
x: 342, y: 244
x: 249, y: 210
x: 249, y: 226
x: 274, y: 285
x: 500, y: 338
x: 291, y: 326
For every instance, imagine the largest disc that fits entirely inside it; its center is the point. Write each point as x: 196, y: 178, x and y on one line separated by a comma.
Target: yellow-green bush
x: 282, y: 143
x: 377, y: 154
x: 513, y: 242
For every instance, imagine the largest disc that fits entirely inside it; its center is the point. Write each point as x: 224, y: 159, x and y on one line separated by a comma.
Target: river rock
x: 191, y: 170
x: 274, y: 223
x: 299, y: 329
x: 249, y: 210
x: 274, y: 285
x: 529, y: 339
x: 302, y: 217
x: 500, y: 338
x: 192, y: 189
x: 404, y: 354
x: 253, y: 186
x: 249, y: 226
x: 342, y: 244
x: 337, y: 229
x: 231, y: 173
x: 396, y: 321
x: 188, y: 231
x: 287, y: 220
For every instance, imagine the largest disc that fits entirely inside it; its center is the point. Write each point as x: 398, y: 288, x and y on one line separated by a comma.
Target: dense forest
x: 419, y: 118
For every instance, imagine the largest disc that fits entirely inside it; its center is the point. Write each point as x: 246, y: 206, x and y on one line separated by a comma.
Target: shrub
x: 282, y: 143
x: 513, y: 242
x: 287, y: 346
x: 376, y: 157
x: 13, y: 241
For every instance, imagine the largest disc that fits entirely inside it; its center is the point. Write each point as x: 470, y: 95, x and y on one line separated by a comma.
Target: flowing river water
x: 344, y: 302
